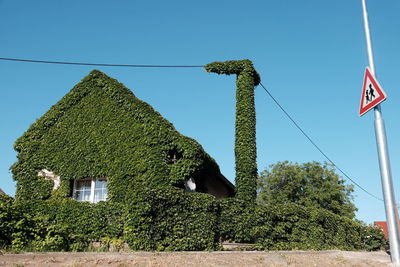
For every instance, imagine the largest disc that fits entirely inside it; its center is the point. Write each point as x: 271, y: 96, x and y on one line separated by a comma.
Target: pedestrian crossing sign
x: 372, y: 93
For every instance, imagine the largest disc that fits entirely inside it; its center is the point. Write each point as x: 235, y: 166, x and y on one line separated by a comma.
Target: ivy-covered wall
x: 101, y: 130
x: 245, y: 128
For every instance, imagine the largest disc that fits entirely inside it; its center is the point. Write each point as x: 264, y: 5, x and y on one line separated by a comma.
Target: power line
x: 100, y: 64
x: 315, y: 145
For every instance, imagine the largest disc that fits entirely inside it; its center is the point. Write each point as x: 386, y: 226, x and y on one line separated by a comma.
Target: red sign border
x: 375, y: 83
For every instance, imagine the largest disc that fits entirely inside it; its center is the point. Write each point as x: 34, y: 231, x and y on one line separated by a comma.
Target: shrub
x: 237, y: 220
x: 373, y: 238
x: 291, y: 226
x: 58, y: 225
x: 8, y: 221
x: 169, y: 219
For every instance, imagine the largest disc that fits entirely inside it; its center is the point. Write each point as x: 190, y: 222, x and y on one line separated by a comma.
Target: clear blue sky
x: 311, y: 54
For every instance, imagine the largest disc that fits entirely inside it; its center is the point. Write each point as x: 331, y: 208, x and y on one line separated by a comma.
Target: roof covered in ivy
x: 2, y: 192
x: 101, y: 129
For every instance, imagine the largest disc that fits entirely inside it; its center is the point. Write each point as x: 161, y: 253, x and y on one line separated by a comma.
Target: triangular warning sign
x: 372, y: 93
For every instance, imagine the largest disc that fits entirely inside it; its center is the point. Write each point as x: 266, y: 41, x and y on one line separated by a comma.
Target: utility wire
x: 100, y: 64
x: 315, y: 145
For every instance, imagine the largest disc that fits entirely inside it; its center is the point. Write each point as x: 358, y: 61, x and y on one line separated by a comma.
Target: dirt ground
x: 222, y: 258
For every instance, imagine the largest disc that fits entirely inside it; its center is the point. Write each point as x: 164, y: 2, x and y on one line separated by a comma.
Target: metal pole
x: 384, y: 162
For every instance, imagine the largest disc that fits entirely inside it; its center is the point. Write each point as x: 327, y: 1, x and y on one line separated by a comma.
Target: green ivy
x: 101, y: 130
x: 57, y: 225
x: 245, y: 133
x: 237, y: 220
x: 169, y: 219
x: 294, y: 227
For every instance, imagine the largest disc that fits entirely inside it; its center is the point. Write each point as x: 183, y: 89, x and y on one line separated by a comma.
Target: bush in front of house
x: 165, y: 219
x: 294, y: 227
x: 161, y: 219
x: 291, y: 226
x: 373, y: 238
x: 57, y: 225
x: 169, y: 219
x: 8, y: 219
x: 237, y: 220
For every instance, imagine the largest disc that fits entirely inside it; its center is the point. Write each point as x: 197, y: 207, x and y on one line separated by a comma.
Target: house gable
x: 100, y: 129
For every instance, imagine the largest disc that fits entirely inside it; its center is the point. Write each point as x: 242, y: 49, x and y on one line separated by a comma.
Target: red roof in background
x: 383, y: 226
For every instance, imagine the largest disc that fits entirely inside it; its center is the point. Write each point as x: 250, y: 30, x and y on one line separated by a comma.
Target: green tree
x: 310, y: 185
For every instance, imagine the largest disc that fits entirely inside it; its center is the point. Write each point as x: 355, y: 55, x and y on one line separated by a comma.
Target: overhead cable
x: 100, y: 64
x: 315, y: 145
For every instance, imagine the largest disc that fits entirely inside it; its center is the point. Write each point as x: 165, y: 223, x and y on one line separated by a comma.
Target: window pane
x: 99, y: 195
x: 78, y: 195
x: 83, y: 185
x: 86, y: 195
x: 100, y: 191
x: 82, y: 190
x: 100, y: 184
x: 82, y: 195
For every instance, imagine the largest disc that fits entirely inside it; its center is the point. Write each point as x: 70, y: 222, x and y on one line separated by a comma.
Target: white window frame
x: 92, y: 189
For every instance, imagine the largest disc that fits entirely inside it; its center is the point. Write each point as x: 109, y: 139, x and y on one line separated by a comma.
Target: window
x: 90, y: 190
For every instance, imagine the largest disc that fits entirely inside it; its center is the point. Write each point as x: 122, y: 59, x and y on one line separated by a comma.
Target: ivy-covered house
x: 99, y: 140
